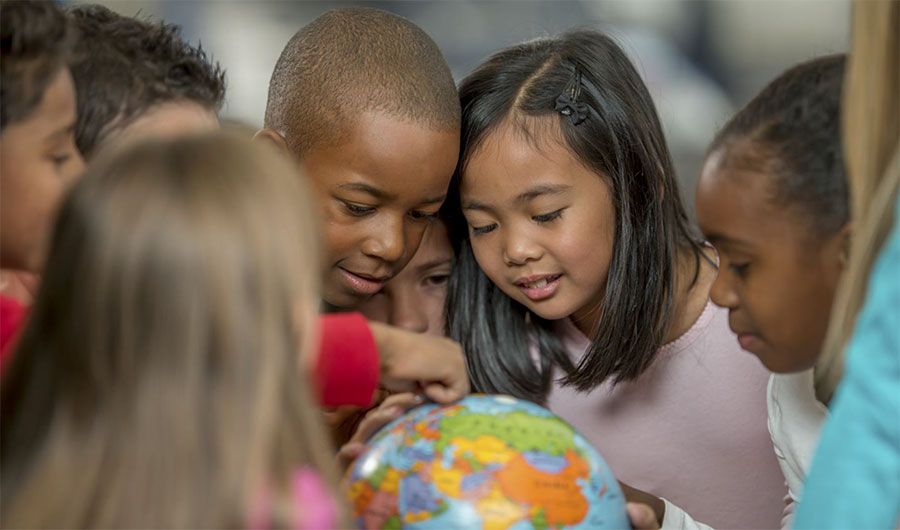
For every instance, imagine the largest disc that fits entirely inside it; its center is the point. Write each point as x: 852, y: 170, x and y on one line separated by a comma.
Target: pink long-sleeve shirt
x: 691, y: 429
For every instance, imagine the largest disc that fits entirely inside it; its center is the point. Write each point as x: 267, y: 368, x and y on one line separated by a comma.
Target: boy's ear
x: 272, y: 137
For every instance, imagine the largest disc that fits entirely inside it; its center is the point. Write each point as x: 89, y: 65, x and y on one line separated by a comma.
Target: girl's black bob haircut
x: 611, y: 127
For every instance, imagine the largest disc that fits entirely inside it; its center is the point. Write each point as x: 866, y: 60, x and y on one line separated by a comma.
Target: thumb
x: 641, y: 516
x: 443, y: 394
x: 348, y: 453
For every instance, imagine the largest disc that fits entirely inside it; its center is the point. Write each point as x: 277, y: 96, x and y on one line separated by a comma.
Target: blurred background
x: 702, y: 60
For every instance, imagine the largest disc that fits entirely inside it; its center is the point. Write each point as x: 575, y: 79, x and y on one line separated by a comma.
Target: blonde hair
x: 871, y: 127
x: 159, y: 382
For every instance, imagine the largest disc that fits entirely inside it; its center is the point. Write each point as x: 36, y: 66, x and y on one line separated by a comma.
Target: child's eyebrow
x: 435, y: 263
x: 719, y: 239
x: 541, y: 189
x: 382, y: 195
x: 435, y: 200
x: 61, y: 133
x: 366, y: 188
x: 475, y: 205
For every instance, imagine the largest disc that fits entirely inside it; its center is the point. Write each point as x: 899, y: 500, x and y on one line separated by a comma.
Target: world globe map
x: 491, y: 462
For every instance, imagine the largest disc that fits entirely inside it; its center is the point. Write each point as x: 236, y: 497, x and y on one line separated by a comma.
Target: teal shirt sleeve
x: 854, y: 481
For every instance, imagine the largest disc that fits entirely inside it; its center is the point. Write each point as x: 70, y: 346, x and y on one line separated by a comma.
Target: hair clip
x: 567, y: 103
x: 578, y: 112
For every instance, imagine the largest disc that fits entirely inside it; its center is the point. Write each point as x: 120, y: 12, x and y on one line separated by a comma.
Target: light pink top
x: 692, y: 429
x: 313, y: 505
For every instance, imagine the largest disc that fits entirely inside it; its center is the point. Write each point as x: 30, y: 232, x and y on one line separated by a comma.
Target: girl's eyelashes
x: 547, y: 217
x: 423, y: 216
x: 356, y: 209
x: 739, y: 268
x: 481, y: 230
x: 59, y: 160
x: 540, y: 219
x: 437, y: 279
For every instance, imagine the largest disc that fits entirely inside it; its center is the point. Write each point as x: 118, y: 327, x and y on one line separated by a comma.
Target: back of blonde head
x: 871, y: 126
x: 158, y: 383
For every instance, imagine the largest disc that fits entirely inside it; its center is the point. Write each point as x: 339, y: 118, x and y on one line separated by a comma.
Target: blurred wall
x: 701, y: 59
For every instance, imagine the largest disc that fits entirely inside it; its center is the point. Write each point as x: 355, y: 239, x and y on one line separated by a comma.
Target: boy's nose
x: 388, y: 243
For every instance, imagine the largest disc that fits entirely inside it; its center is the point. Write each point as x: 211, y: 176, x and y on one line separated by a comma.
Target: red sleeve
x: 347, y: 368
x: 12, y: 318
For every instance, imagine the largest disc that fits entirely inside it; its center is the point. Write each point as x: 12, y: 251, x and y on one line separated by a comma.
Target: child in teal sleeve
x: 854, y: 481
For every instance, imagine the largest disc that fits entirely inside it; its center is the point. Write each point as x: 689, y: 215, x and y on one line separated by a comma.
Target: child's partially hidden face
x: 541, y: 224
x: 414, y: 299
x: 776, y: 276
x: 378, y: 190
x: 38, y: 161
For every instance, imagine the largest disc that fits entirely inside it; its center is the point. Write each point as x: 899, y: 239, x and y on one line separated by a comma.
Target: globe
x: 491, y: 462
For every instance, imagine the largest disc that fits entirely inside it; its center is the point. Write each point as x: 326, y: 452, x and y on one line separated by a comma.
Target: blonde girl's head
x: 871, y: 135
x: 159, y: 382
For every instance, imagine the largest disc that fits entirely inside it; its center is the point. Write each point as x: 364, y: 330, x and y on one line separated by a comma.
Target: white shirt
x: 795, y: 422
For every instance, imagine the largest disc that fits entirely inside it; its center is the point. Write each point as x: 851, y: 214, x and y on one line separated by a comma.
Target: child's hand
x: 411, y: 360
x: 641, y: 516
x: 639, y: 500
x: 390, y: 409
x: 344, y: 421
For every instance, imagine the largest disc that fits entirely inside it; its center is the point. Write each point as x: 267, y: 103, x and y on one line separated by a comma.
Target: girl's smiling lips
x: 538, y: 287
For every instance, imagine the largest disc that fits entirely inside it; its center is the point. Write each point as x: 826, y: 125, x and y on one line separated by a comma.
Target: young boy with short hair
x: 102, y: 76
x: 138, y: 78
x: 365, y: 101
x: 38, y: 158
x: 367, y: 104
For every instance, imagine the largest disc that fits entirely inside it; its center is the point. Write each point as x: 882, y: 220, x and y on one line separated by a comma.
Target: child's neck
x: 691, y: 296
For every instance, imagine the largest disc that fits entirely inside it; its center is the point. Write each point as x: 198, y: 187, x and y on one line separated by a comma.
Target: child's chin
x: 339, y: 300
x: 548, y: 311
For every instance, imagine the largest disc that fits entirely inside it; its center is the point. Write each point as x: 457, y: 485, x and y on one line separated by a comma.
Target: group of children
x: 172, y: 368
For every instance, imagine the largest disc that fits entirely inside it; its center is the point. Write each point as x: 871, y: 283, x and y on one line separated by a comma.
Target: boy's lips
x: 540, y: 286
x: 362, y: 283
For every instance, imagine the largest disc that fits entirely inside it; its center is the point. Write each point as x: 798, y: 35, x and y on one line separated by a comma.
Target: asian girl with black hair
x: 581, y: 284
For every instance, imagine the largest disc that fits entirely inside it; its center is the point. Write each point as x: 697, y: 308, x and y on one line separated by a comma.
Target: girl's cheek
x: 488, y: 262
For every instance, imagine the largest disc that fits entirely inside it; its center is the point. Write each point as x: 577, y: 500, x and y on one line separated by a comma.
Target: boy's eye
x: 357, y: 210
x: 480, y: 230
x: 547, y: 217
x: 419, y: 216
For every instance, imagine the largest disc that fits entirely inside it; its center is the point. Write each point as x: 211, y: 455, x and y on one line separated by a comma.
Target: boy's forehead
x: 387, y: 155
x: 54, y: 116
